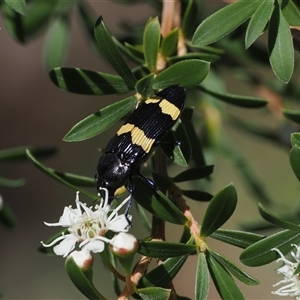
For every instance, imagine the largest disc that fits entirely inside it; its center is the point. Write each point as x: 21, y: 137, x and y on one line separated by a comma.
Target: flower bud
x: 123, y: 244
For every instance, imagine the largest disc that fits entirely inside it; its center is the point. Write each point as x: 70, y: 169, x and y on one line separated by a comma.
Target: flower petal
x: 65, y: 246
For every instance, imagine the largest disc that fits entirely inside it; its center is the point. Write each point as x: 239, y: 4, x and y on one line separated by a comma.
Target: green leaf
x: 197, y: 195
x: 159, y: 205
x: 82, y: 280
x: 209, y: 57
x: 19, y: 153
x: 292, y: 115
x: 38, y: 16
x: 22, y: 27
x: 187, y: 73
x: 294, y: 156
x: 261, y: 253
x: 7, y: 216
x: 219, y: 210
x: 162, y: 181
x: 224, y: 21
x: 143, y: 217
x: 164, y: 249
x: 226, y: 286
x: 169, y: 43
x: 290, y: 12
x: 258, y: 22
x: 17, y: 5
x: 295, y: 139
x: 57, y: 42
x: 269, y: 217
x: 12, y: 183
x: 190, y: 14
x: 144, y: 85
x: 98, y: 122
x: 154, y: 293
x: 194, y: 174
x: 202, y: 278
x: 242, y: 101
x: 176, y: 145
x: 234, y: 269
x: 280, y: 46
x: 196, y: 147
x: 76, y: 179
x: 88, y: 82
x: 87, y: 15
x: 237, y: 238
x: 50, y: 172
x: 109, y: 49
x: 162, y: 275
x: 151, y: 43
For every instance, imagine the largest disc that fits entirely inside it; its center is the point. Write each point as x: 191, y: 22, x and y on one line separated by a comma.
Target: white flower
x: 88, y: 226
x: 292, y: 281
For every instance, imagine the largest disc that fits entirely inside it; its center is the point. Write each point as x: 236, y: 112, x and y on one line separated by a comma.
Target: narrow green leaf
x: 144, y: 85
x: 88, y: 82
x: 109, y: 49
x: 294, y: 156
x: 151, y: 43
x: 202, y: 278
x: 135, y: 53
x: 293, y: 115
x: 295, y: 139
x: 164, y: 249
x: 98, y: 122
x: 176, y: 145
x: 258, y: 22
x: 290, y: 12
x: 261, y: 253
x: 209, y: 57
x: 17, y: 5
x: 57, y: 42
x: 50, y: 172
x: 76, y: 179
x: 280, y: 46
x: 269, y: 217
x: 194, y: 174
x: 219, y: 210
x: 19, y: 153
x: 190, y: 14
x: 12, y: 183
x: 234, y: 269
x: 182, y: 153
x: 37, y: 16
x: 197, y: 195
x: 81, y: 279
x: 162, y: 181
x: 224, y: 283
x: 237, y: 238
x: 187, y: 73
x: 154, y: 293
x: 195, y: 141
x: 143, y: 217
x: 169, y: 43
x: 242, y: 101
x: 224, y: 21
x: 162, y: 275
x: 88, y: 18
x: 7, y: 216
x: 158, y: 204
